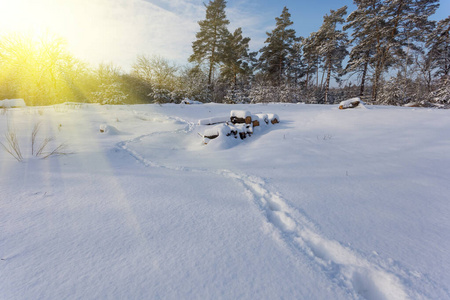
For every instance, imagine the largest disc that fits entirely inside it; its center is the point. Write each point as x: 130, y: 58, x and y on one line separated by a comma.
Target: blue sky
x: 119, y: 30
x: 307, y: 15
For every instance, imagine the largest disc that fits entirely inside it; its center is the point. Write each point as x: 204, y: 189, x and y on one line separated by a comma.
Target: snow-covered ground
x: 328, y: 204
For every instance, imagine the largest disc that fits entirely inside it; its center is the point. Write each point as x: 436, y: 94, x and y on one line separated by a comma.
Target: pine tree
x: 332, y: 44
x: 439, y: 44
x: 211, y: 39
x: 404, y: 23
x: 275, y: 55
x: 311, y: 57
x: 364, y: 22
x: 296, y: 66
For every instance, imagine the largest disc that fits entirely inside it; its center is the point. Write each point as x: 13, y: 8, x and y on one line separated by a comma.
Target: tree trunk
x: 212, y: 59
x: 327, y: 84
x: 307, y: 81
x: 363, y: 79
x: 375, y: 80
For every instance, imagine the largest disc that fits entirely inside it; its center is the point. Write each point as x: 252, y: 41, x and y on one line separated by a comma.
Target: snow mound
x: 189, y: 101
x: 108, y: 129
x: 8, y: 103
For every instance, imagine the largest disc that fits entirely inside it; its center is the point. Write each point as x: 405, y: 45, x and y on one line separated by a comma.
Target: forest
x: 386, y: 52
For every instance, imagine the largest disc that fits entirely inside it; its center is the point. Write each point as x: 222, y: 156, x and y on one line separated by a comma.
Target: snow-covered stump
x: 350, y: 103
x: 108, y: 129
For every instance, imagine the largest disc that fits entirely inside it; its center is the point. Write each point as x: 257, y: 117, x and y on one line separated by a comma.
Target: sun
x: 31, y: 17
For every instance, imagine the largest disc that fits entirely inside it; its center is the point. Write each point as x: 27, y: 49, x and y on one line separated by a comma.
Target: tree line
x: 385, y: 51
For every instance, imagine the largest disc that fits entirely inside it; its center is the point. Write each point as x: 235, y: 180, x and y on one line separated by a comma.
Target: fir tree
x: 236, y: 58
x: 275, y: 55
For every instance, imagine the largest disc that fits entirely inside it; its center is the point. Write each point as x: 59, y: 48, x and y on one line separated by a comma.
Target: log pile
x: 240, y: 124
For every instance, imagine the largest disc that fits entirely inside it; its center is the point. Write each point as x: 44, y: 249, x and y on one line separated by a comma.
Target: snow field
x: 328, y: 204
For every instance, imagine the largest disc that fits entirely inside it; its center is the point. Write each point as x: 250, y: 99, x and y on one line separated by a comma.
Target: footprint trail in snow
x: 342, y: 264
x: 344, y: 267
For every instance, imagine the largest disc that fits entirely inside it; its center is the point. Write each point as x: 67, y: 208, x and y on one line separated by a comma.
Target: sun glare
x: 85, y: 25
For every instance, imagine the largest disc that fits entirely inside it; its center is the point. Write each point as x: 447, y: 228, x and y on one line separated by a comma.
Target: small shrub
x: 13, y: 148
x: 12, y: 144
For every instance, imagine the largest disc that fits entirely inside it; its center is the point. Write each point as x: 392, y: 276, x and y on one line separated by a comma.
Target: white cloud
x: 109, y: 30
x: 119, y: 30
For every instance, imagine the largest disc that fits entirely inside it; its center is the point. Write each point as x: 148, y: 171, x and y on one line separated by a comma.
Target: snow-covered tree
x: 439, y: 44
x: 296, y: 66
x: 442, y: 94
x: 364, y: 22
x: 109, y: 93
x: 403, y: 22
x: 193, y: 83
x: 332, y: 44
x: 157, y: 71
x: 311, y: 58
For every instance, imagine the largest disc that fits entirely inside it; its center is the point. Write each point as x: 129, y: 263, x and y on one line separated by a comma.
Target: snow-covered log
x: 273, y: 118
x: 350, y: 103
x: 212, y: 133
x: 213, y: 120
x: 240, y: 117
x: 262, y: 118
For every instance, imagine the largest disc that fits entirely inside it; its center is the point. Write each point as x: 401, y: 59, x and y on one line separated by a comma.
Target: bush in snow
x: 160, y: 96
x: 12, y: 144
